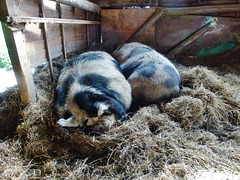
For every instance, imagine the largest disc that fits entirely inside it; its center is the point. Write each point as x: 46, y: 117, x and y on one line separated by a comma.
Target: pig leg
x: 70, y: 122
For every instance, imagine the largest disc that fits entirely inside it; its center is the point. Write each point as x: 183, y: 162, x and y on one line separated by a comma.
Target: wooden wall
x: 75, y: 34
x: 181, y: 33
x: 62, y: 29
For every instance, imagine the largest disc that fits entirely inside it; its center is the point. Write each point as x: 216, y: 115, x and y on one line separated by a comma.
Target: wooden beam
x: 200, y: 10
x: 87, y: 32
x: 148, y: 23
x: 21, y: 65
x: 194, y: 36
x: 15, y: 42
x: 47, y: 46
x: 62, y: 32
x: 81, y: 4
x: 19, y: 19
x: 181, y: 11
x: 238, y: 12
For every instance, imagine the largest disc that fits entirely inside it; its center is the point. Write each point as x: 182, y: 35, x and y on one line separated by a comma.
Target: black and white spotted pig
x: 92, y: 92
x: 152, y: 76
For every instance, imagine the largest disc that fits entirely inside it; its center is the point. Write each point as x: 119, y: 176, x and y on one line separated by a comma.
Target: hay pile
x: 196, y: 135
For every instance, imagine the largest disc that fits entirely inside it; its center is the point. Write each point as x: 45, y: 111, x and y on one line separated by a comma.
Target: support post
x: 46, y: 41
x: 21, y: 65
x: 18, y: 54
x: 87, y: 31
x: 62, y: 32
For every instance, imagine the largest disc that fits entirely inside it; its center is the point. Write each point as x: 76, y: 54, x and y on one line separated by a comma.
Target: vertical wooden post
x: 87, y: 31
x: 46, y: 41
x: 18, y: 54
x: 237, y: 14
x: 21, y: 65
x: 62, y: 32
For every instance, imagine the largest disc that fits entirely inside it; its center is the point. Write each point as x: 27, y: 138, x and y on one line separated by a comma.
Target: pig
x: 92, y: 92
x: 152, y: 76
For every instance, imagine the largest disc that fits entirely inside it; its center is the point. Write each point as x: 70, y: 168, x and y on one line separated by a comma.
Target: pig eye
x: 106, y: 113
x: 94, y: 96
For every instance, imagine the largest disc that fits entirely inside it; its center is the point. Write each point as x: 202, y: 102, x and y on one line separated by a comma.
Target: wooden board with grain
x: 117, y: 26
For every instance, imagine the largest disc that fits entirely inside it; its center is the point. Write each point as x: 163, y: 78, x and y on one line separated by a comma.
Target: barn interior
x: 195, y: 136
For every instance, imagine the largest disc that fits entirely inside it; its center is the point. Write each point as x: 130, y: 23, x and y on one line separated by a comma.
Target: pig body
x: 92, y: 91
x: 152, y: 76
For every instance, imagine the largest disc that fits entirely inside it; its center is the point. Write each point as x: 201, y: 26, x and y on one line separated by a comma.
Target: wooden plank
x: 51, y: 13
x: 125, y: 3
x: 29, y: 9
x: 81, y: 4
x: 62, y: 32
x: 177, y: 3
x: 46, y: 41
x: 189, y: 40
x: 200, y: 10
x: 148, y: 23
x: 19, y: 19
x: 76, y: 46
x: 117, y: 26
x: 87, y: 32
x: 37, y: 58
x: 18, y: 54
x: 72, y: 38
x: 21, y: 66
x: 215, y: 2
x: 35, y: 46
x: 237, y: 14
x: 33, y: 35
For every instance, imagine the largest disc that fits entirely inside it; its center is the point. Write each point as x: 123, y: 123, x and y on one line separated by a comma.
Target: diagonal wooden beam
x: 194, y: 36
x: 148, y: 23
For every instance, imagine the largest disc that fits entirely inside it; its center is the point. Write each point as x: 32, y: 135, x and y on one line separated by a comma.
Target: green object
x: 5, y: 61
x: 215, y: 50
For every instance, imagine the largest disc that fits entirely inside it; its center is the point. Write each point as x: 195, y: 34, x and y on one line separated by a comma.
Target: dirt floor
x: 195, y: 136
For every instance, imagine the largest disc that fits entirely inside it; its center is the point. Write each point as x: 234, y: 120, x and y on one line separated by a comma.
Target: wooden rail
x: 19, y: 19
x: 200, y: 10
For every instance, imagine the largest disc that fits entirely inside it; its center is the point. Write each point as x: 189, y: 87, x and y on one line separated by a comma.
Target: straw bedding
x: 194, y: 136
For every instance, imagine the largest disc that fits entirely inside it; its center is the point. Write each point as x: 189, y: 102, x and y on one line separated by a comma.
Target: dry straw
x: 192, y: 135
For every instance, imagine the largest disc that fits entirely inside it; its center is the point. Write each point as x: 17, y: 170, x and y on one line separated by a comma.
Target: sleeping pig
x: 92, y: 92
x: 152, y: 76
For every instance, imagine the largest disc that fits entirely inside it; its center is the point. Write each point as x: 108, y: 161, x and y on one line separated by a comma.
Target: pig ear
x: 111, y: 106
x: 117, y: 109
x: 102, y: 109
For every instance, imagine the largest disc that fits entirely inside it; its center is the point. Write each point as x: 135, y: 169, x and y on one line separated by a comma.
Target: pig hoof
x: 67, y: 123
x: 62, y: 122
